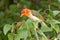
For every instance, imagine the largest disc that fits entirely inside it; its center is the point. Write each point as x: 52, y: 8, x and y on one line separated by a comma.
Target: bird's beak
x: 21, y: 15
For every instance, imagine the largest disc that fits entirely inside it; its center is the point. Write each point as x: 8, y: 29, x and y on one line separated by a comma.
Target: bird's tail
x: 44, y: 24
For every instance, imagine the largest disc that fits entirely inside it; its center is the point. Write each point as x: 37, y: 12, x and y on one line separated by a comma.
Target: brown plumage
x: 35, y: 13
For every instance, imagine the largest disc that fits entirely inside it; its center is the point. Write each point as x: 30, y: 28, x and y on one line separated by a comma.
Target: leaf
x: 29, y: 24
x: 23, y: 34
x: 23, y: 31
x: 1, y: 14
x: 30, y: 27
x: 32, y: 22
x: 17, y: 37
x: 6, y: 28
x: 59, y: 1
x: 45, y: 29
x: 35, y: 23
x: 43, y: 35
x: 32, y: 39
x: 55, y: 27
x: 56, y: 12
x: 58, y: 36
x: 55, y: 21
x: 10, y: 36
x: 22, y: 27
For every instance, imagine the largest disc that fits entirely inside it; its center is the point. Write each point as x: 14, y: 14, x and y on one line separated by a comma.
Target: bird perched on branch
x: 33, y: 15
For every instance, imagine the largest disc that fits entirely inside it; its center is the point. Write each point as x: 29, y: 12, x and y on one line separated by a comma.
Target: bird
x: 33, y: 15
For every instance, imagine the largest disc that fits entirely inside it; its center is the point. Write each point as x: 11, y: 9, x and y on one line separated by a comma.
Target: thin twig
x: 36, y: 32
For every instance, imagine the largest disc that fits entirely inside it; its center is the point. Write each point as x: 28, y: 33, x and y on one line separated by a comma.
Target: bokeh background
x: 10, y: 20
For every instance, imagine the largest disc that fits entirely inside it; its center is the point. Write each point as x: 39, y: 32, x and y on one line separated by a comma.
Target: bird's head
x: 25, y: 12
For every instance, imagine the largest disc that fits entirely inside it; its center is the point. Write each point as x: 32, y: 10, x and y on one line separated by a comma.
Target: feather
x: 35, y: 13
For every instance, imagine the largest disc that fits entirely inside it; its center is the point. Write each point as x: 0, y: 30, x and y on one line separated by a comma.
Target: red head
x: 25, y: 12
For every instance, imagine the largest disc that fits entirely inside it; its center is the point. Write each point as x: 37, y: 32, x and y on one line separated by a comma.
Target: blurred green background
x: 14, y: 27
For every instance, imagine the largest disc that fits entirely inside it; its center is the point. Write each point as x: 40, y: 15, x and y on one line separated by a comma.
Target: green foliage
x: 56, y: 12
x: 14, y: 27
x: 6, y: 28
x: 10, y: 36
x: 58, y: 36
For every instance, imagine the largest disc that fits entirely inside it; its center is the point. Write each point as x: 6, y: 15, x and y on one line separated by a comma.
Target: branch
x: 35, y: 32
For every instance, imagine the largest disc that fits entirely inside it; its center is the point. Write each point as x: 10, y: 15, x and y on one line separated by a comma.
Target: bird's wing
x: 35, y: 13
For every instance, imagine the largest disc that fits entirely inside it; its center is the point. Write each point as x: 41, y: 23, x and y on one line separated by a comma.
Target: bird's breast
x: 34, y: 18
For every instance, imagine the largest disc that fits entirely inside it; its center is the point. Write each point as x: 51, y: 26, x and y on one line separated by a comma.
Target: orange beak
x: 22, y: 15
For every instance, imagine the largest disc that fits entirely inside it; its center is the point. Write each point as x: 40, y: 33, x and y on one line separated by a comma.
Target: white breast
x: 34, y: 18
